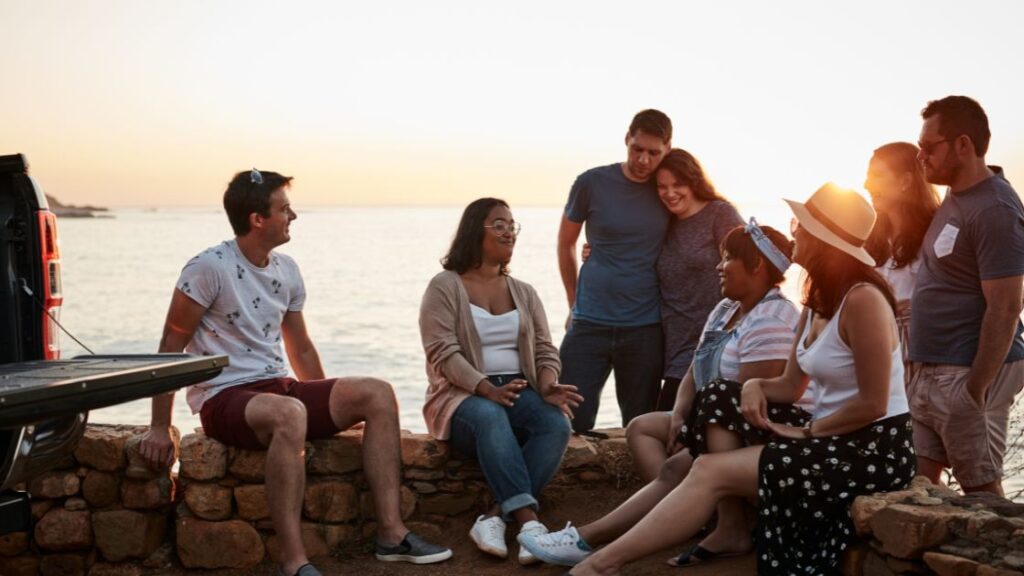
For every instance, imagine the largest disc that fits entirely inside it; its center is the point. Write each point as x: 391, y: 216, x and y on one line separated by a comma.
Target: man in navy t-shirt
x: 615, y: 319
x: 965, y: 330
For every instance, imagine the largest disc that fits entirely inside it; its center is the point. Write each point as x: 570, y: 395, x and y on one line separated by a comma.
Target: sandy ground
x: 580, y: 506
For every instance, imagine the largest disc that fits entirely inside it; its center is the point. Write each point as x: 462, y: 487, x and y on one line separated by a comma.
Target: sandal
x: 698, y: 555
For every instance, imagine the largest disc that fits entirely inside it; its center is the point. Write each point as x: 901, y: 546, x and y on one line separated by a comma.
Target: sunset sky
x: 146, y: 103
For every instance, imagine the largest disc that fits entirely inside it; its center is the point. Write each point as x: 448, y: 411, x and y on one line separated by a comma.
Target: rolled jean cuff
x: 516, y: 502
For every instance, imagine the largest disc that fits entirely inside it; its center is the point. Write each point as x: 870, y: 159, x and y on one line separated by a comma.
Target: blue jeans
x: 519, y: 448
x: 591, y: 351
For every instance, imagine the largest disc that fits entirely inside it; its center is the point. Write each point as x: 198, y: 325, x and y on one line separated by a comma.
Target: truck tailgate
x: 44, y: 389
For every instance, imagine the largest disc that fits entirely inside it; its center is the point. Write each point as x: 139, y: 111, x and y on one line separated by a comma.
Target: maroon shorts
x: 223, y: 416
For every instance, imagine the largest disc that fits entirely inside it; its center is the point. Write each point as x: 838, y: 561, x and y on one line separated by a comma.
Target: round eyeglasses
x: 501, y: 227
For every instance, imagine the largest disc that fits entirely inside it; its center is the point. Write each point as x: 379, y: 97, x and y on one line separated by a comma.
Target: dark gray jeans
x: 591, y: 351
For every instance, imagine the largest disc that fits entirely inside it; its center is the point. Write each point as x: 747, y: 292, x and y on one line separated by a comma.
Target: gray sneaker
x: 412, y: 549
x: 304, y: 570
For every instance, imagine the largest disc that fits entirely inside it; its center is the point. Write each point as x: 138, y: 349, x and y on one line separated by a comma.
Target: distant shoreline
x: 72, y: 211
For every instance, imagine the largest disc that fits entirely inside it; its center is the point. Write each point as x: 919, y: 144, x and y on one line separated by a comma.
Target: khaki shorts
x: 951, y: 429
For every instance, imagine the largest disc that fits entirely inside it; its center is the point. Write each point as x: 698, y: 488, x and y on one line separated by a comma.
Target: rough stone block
x: 62, y: 530
x: 449, y: 504
x: 208, y: 501
x: 985, y: 570
x: 13, y: 544
x: 247, y: 465
x: 252, y: 501
x: 407, y: 504
x: 949, y: 565
x: 19, y: 566
x: 62, y: 565
x: 423, y: 475
x: 57, y: 484
x: 312, y: 540
x: 908, y: 531
x: 330, y: 501
x: 106, y: 569
x: 875, y: 565
x: 580, y: 453
x: 424, y: 487
x: 124, y: 534
x: 852, y: 563
x: 161, y: 557
x: 862, y: 510
x: 337, y: 535
x: 40, y: 508
x: 101, y: 489
x: 75, y: 504
x: 338, y: 455
x: 147, y: 494
x: 228, y: 544
x: 102, y: 446
x: 451, y: 486
x: 422, y: 451
x: 203, y: 458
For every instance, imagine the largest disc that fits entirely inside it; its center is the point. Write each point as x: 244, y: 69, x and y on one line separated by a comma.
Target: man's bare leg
x: 280, y: 424
x: 371, y: 400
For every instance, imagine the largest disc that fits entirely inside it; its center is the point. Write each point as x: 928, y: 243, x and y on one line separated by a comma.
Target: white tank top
x: 829, y: 364
x: 499, y: 340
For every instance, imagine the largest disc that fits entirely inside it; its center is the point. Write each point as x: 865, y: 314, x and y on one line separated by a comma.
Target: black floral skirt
x: 719, y: 403
x: 806, y: 486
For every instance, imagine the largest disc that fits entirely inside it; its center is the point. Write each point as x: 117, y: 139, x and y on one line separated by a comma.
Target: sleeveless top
x: 828, y: 362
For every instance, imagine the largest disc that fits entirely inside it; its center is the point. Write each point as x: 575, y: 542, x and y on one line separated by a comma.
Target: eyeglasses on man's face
x: 928, y: 148
x: 502, y: 227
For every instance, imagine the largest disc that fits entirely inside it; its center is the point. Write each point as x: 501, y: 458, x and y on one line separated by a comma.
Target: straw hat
x: 838, y: 217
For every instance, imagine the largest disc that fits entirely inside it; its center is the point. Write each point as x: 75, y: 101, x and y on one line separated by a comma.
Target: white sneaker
x: 535, y: 528
x: 564, y: 548
x: 489, y: 535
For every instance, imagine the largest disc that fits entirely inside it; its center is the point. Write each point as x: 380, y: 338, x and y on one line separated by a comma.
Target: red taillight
x: 52, y: 296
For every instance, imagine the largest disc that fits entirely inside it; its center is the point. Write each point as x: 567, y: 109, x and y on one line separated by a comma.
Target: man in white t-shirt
x: 242, y: 299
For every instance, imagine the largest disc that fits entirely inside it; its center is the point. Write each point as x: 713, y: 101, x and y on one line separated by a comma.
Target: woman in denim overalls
x: 753, y: 263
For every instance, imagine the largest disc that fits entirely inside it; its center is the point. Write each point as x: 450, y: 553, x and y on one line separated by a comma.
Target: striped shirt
x: 765, y: 333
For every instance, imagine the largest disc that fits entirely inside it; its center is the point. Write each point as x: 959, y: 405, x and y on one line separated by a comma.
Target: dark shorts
x: 223, y: 416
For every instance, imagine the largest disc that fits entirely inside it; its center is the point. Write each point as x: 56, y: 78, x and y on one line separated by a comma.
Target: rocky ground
x: 579, y: 506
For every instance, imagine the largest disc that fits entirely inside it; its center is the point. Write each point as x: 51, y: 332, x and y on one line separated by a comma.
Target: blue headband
x: 766, y: 246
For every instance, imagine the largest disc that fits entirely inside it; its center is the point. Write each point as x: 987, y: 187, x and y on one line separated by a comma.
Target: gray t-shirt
x: 977, y: 234
x: 689, y: 280
x: 625, y: 226
x: 245, y: 305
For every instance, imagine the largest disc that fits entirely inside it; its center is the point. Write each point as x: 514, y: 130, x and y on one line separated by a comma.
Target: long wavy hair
x: 916, y: 206
x: 466, y: 251
x: 830, y: 273
x: 687, y: 170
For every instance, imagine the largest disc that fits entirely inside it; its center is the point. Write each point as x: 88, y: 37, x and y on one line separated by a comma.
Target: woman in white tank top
x: 858, y: 441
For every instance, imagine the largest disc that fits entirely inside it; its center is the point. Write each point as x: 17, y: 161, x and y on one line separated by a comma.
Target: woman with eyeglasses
x: 493, y: 373
x: 858, y: 440
x: 905, y: 203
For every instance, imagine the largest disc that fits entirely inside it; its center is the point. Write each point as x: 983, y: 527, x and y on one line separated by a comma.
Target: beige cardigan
x: 452, y: 346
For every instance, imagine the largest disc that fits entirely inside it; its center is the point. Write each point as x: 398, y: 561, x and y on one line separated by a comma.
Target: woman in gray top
x: 686, y: 267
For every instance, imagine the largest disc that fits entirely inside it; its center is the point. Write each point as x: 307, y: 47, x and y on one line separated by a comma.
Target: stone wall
x: 929, y: 529
x: 105, y: 512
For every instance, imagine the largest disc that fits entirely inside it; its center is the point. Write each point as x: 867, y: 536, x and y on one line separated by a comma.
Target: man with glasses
x: 243, y: 299
x: 965, y: 331
x: 615, y: 318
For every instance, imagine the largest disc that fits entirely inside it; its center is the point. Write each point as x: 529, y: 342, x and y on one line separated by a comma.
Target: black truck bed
x: 39, y: 390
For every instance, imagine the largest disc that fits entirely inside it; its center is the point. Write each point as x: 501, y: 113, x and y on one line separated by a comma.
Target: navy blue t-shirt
x: 977, y: 234
x: 625, y: 227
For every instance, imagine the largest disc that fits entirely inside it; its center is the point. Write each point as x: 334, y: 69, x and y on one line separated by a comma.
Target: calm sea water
x: 365, y: 270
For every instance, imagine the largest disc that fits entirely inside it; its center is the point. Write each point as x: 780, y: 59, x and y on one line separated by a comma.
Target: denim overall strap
x: 707, y: 360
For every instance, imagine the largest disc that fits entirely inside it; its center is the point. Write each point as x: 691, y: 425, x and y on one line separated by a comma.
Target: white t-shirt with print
x: 245, y: 306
